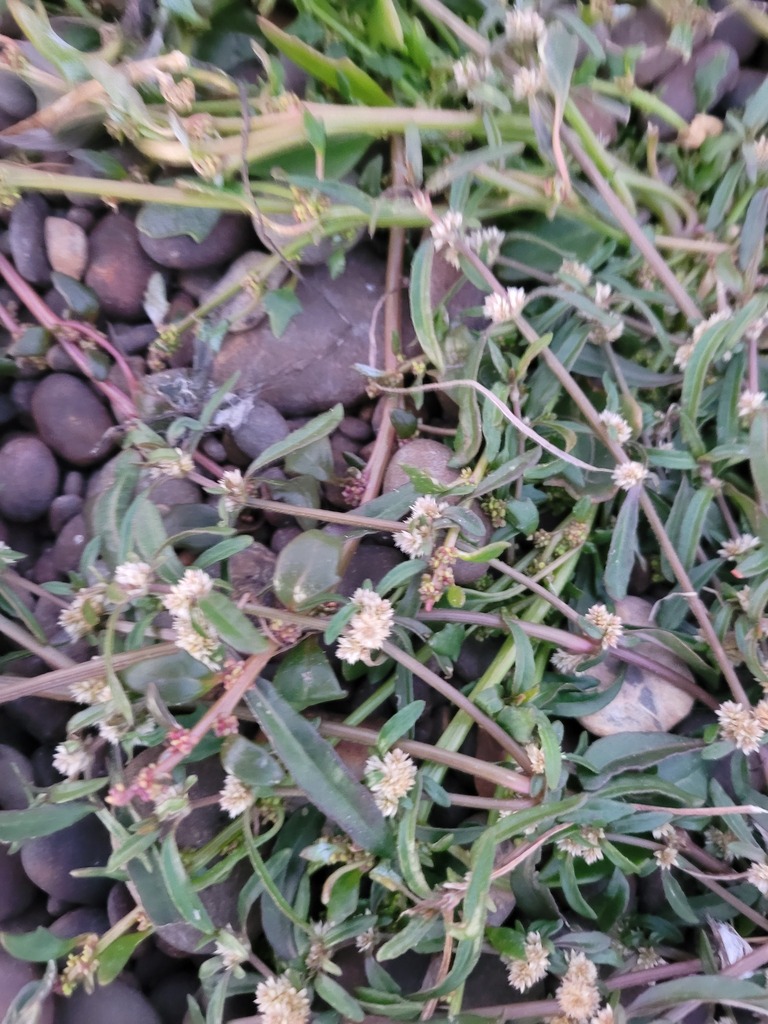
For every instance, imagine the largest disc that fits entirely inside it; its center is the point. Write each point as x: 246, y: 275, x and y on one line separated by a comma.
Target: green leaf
x: 558, y: 58
x: 178, y: 676
x: 422, y: 313
x: 384, y: 28
x: 417, y: 929
x: 344, y: 896
x: 621, y: 554
x: 222, y: 551
x: 305, y: 676
x: 114, y: 958
x: 399, y: 724
x: 339, y: 73
x: 553, y: 755
x: 611, y: 754
x: 677, y: 899
x: 758, y: 456
x: 32, y: 1003
x: 319, y: 771
x: 250, y: 762
x: 320, y: 426
x: 281, y: 306
x: 68, y: 61
x: 156, y: 220
x: 42, y: 820
x: 80, y: 299
x: 232, y: 625
x: 180, y: 890
x: 485, y: 553
x: 700, y: 988
x: 38, y: 946
x: 572, y: 892
x: 105, y: 517
x: 338, y: 997
x: 752, y: 241
x: 307, y: 568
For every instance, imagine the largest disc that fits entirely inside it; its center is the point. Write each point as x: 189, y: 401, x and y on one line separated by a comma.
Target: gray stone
x: 17, y: 100
x: 63, y: 508
x: 119, y: 269
x: 254, y: 427
x: 49, y: 860
x: 430, y: 457
x: 118, y: 1003
x: 67, y: 246
x: 71, y: 419
x: 80, y: 921
x: 29, y: 479
x: 229, y: 236
x: 15, y: 771
x: 647, y: 28
x: 243, y: 310
x: 311, y: 366
x: 14, y: 975
x: 69, y: 544
x: 251, y: 571
x: 26, y: 235
x: 18, y: 892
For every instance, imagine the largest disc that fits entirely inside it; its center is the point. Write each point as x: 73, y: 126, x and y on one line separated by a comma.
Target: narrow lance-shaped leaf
x: 422, y: 313
x: 320, y: 426
x: 319, y: 771
x: 621, y: 553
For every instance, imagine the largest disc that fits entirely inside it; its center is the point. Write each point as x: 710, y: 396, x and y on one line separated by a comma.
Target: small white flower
x: 704, y: 325
x: 577, y: 993
x: 500, y: 309
x: 603, y: 1016
x: 427, y: 506
x: 523, y: 974
x: 757, y: 875
x: 760, y: 150
x: 471, y: 72
x: 566, y: 663
x: 235, y: 489
x: 578, y: 271
x: 602, y: 294
x: 279, y: 1002
x: 193, y: 585
x: 629, y: 474
x: 610, y: 625
x: 683, y: 355
x: 197, y: 638
x: 667, y: 857
x: 230, y: 952
x: 90, y: 691
x: 749, y: 403
x: 585, y: 845
x: 416, y: 541
x: 446, y: 233
x: 368, y: 628
x: 740, y: 726
x: 393, y: 777
x: 524, y: 26
x: 134, y: 578
x: 179, y: 465
x: 112, y: 729
x: 536, y: 757
x: 527, y: 82
x: 487, y: 243
x: 738, y: 546
x: 235, y: 798
x: 366, y: 942
x: 647, y: 957
x: 71, y: 758
x: 87, y: 603
x: 617, y: 425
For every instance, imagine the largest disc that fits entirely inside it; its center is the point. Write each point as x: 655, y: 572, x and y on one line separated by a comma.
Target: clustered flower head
x: 577, y: 995
x: 586, y: 844
x: 86, y: 607
x: 235, y: 489
x: 90, y: 691
x: 536, y: 756
x: 194, y: 634
x: 391, y: 778
x: 744, y: 727
x: 446, y: 233
x: 757, y: 875
x: 487, y: 243
x: 368, y: 628
x: 235, y: 797
x: 567, y: 663
x: 760, y: 152
x: 609, y: 624
x: 177, y: 465
x: 501, y: 308
x: 71, y: 759
x: 748, y: 404
x: 523, y: 974
x: 617, y: 426
x: 524, y: 27
x: 527, y: 82
x: 738, y: 546
x: 471, y: 72
x: 579, y: 272
x: 280, y: 1002
x: 629, y: 474
x: 418, y: 536
x: 134, y: 579
x: 685, y: 351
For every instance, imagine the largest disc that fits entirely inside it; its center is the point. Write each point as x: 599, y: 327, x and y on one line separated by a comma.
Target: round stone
x: 646, y: 702
x: 14, y: 975
x: 255, y: 426
x: 71, y: 419
x: 18, y: 891
x: 67, y: 246
x: 229, y: 236
x: 15, y: 773
x: 29, y: 479
x: 430, y: 457
x: 49, y: 861
x: 26, y: 234
x: 118, y: 1003
x: 119, y: 269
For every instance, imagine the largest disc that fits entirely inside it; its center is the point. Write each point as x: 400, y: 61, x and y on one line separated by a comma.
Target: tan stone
x: 67, y: 246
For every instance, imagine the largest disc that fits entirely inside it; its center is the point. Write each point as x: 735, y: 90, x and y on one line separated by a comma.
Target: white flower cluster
x: 527, y: 82
x: 757, y: 875
x: 738, y: 546
x: 368, y: 628
x: 744, y: 727
x: 523, y: 974
x: 586, y: 844
x: 579, y: 272
x: 235, y: 797
x: 471, y: 72
x: 610, y: 625
x: 487, y: 243
x: 392, y: 778
x: 235, y: 489
x: 194, y: 634
x: 86, y: 607
x: 629, y: 474
x: 524, y: 26
x: 577, y: 993
x: 685, y: 351
x: 500, y: 308
x: 134, y: 579
x: 618, y: 428
x: 177, y: 465
x: 90, y: 691
x: 280, y: 1002
x: 71, y: 759
x: 446, y: 233
x: 748, y: 404
x: 418, y: 537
